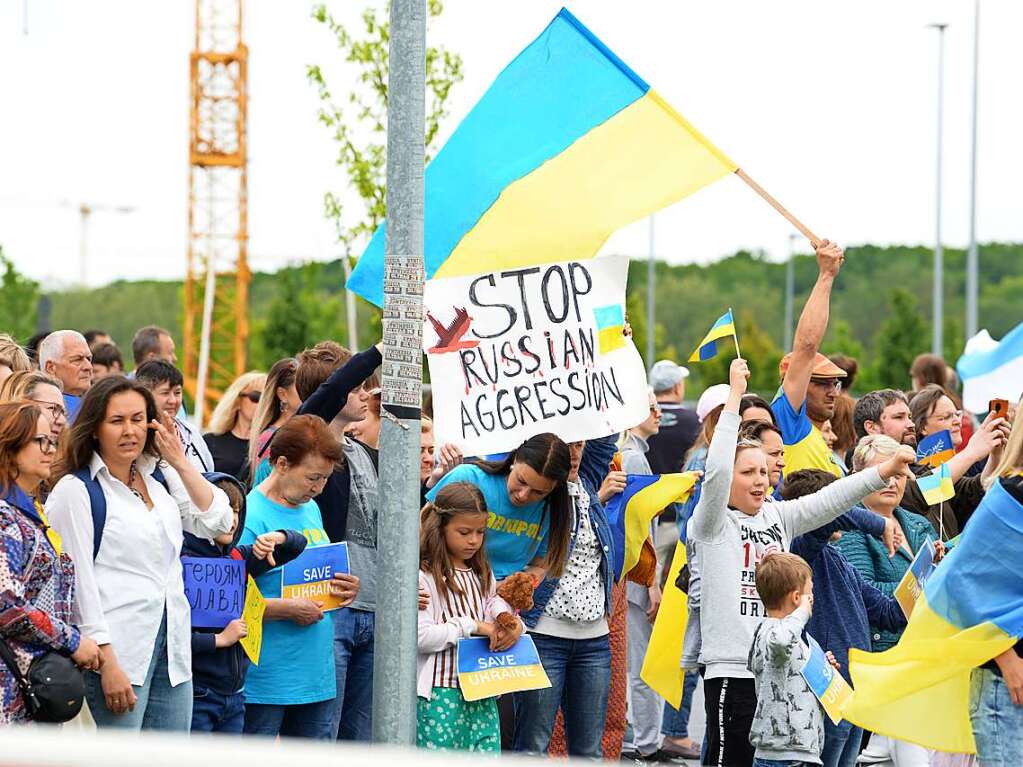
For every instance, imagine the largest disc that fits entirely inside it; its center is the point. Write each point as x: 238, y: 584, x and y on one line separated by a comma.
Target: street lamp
x: 938, y: 308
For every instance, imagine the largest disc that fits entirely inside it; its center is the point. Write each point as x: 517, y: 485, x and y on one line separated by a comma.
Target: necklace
x: 132, y: 474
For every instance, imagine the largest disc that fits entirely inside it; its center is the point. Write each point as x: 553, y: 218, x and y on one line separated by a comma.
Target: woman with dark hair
x: 36, y: 576
x: 527, y: 495
x: 126, y: 493
x: 278, y: 402
x: 292, y: 691
x: 753, y: 407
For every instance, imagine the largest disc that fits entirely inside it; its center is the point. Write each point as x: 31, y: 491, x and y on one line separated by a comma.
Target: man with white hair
x: 65, y: 354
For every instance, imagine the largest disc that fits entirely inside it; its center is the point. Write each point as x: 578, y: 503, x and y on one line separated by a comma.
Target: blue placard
x: 215, y: 590
x: 826, y: 683
x: 486, y: 674
x: 308, y: 576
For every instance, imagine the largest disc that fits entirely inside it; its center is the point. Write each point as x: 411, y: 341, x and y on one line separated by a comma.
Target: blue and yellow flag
x: 935, y: 449
x: 723, y: 328
x: 937, y: 486
x: 566, y: 146
x: 971, y: 610
x: 630, y: 513
x: 662, y: 664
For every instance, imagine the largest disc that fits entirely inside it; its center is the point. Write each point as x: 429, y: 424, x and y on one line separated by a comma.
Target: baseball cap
x: 822, y: 367
x: 665, y: 374
x: 712, y: 397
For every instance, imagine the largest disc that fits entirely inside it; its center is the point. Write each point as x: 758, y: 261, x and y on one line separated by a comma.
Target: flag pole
x: 813, y: 238
x: 941, y: 520
x: 735, y: 334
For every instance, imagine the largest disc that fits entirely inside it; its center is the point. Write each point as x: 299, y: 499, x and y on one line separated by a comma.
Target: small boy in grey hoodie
x: 788, y: 726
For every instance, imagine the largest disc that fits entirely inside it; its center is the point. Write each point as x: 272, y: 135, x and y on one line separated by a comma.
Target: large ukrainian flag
x: 971, y: 610
x: 566, y: 146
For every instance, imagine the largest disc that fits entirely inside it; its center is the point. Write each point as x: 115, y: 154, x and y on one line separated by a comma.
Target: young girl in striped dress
x: 463, y: 602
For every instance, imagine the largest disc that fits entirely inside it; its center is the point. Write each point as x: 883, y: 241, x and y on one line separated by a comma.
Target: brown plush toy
x: 517, y: 591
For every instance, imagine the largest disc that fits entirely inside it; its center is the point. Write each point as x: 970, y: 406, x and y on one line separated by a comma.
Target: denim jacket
x: 595, y: 465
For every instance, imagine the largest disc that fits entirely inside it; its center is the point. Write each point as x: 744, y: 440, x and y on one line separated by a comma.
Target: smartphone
x: 999, y: 408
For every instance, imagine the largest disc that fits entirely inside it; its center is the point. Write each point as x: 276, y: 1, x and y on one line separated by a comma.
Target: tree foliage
x: 689, y: 299
x: 358, y: 124
x: 19, y: 301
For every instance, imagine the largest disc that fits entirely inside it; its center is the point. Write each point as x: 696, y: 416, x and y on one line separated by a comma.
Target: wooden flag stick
x: 735, y: 334
x: 813, y: 238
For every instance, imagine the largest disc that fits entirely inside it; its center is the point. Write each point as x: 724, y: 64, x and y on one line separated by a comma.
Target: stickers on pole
x: 215, y: 590
x: 252, y: 614
x: 912, y: 584
x: 309, y: 575
x: 827, y: 684
x: 486, y: 674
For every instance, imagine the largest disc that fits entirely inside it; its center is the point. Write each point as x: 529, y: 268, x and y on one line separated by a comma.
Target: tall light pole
x: 972, y: 257
x: 790, y: 290
x: 395, y: 641
x: 651, y: 309
x: 937, y: 344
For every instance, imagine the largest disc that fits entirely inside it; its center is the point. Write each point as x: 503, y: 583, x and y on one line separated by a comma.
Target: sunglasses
x: 253, y: 396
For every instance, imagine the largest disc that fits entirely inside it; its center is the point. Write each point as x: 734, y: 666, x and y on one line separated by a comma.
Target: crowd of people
x: 804, y: 520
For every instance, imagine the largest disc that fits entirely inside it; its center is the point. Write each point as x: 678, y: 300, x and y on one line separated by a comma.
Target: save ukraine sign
x: 308, y: 576
x: 486, y: 674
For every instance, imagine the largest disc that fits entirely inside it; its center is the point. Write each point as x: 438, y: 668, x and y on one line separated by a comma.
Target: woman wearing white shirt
x: 129, y: 595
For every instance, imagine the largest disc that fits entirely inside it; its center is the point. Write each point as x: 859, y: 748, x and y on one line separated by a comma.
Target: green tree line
x: 880, y: 308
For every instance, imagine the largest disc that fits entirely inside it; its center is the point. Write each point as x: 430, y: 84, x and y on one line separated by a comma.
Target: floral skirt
x: 448, y: 722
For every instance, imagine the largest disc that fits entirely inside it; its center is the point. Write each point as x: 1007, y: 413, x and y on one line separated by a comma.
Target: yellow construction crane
x: 216, y: 325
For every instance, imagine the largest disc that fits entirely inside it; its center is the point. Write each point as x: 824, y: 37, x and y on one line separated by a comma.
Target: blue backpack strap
x: 97, y: 504
x: 159, y: 477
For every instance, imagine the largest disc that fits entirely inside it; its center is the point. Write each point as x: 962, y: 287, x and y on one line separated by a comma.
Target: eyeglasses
x: 46, y: 444
x: 654, y: 409
x: 955, y: 415
x: 253, y: 396
x: 56, y: 411
x: 827, y: 383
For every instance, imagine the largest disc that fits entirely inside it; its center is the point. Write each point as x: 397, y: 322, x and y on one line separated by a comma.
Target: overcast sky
x: 829, y: 105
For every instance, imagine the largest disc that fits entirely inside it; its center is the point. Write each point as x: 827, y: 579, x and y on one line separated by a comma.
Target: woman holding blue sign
x: 292, y: 691
x: 126, y: 495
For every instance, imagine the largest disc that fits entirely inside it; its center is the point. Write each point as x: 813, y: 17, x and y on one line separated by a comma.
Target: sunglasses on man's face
x: 253, y: 396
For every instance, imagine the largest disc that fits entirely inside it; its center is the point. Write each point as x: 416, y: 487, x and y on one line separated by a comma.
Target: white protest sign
x: 533, y: 349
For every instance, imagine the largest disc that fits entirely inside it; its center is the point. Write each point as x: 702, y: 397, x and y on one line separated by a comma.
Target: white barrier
x: 42, y: 746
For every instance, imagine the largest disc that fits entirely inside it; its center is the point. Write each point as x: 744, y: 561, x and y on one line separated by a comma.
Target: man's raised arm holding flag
x: 810, y: 381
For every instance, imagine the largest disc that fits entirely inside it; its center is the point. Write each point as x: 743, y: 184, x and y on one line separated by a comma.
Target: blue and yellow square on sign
x: 308, y: 576
x: 610, y: 327
x: 486, y: 674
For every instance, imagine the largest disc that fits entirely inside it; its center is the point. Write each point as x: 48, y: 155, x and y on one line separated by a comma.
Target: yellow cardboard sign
x: 252, y: 614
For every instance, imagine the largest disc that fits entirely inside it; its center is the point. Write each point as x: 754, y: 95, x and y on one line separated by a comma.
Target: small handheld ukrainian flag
x: 936, y: 449
x: 937, y: 486
x: 724, y: 327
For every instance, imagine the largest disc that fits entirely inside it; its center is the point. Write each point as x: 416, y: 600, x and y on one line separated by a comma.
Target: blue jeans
x: 353, y: 666
x: 304, y: 720
x: 997, y: 722
x: 159, y: 706
x: 841, y: 743
x: 580, y: 674
x: 675, y: 724
x: 213, y: 712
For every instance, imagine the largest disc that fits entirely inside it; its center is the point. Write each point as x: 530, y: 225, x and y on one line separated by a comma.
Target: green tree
x: 289, y: 320
x: 635, y: 307
x: 19, y: 301
x: 360, y: 128
x: 902, y: 336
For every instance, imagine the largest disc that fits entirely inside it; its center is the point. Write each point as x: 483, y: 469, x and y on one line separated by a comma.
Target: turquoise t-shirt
x: 515, y: 534
x: 296, y: 664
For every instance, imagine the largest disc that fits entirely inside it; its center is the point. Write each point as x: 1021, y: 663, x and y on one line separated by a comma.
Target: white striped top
x: 468, y: 604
